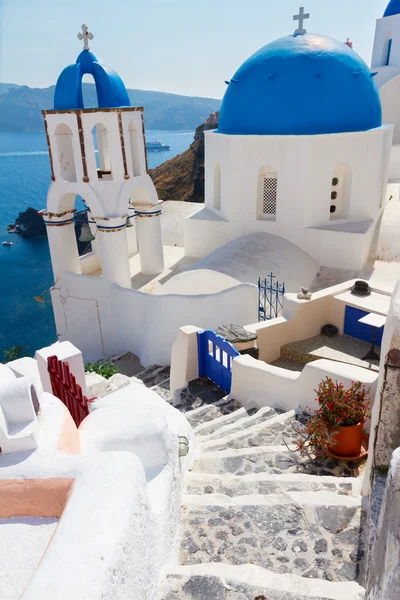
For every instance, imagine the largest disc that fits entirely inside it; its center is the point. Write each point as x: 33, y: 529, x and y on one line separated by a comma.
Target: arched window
x: 217, y: 186
x: 387, y: 50
x: 134, y: 138
x: 65, y: 153
x: 267, y: 193
x: 101, y: 146
x: 340, y: 192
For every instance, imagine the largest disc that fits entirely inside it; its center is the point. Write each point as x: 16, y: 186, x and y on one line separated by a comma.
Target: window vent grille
x: 270, y: 188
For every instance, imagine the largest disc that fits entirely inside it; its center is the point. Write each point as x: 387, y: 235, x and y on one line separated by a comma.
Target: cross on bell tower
x: 301, y: 17
x: 85, y: 36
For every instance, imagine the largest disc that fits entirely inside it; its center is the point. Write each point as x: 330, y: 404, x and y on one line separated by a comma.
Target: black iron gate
x: 270, y: 297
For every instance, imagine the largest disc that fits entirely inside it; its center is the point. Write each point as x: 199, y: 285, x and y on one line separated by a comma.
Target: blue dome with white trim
x: 393, y: 8
x: 111, y: 91
x: 301, y: 85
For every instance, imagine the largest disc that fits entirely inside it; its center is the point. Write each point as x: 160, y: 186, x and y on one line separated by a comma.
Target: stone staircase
x: 259, y: 522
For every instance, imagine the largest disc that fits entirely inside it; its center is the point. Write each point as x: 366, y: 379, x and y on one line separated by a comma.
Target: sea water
x: 25, y: 268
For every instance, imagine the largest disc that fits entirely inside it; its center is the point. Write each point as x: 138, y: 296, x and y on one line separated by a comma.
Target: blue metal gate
x: 215, y: 358
x: 270, y: 298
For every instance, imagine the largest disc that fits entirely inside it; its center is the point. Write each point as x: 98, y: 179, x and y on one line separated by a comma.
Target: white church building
x: 296, y: 178
x: 386, y: 69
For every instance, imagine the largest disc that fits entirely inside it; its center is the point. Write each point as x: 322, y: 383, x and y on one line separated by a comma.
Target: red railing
x: 67, y: 390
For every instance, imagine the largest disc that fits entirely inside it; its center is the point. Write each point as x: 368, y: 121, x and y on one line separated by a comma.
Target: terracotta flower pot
x: 349, y: 441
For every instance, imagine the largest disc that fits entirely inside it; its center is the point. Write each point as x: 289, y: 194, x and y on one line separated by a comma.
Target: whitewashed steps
x: 245, y: 582
x: 210, y: 412
x: 211, y: 427
x: 311, y: 535
x: 220, y: 428
x: 232, y: 485
x: 266, y: 430
x: 270, y: 460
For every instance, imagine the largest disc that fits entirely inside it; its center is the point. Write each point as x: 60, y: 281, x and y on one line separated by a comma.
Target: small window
x: 388, y: 52
x: 270, y: 188
x: 267, y: 193
x: 340, y: 193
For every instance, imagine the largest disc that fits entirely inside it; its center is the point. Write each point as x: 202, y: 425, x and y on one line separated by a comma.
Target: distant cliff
x: 182, y: 177
x: 20, y: 107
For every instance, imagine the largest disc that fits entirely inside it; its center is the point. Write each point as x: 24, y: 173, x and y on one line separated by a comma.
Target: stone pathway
x: 259, y: 522
x: 341, y: 348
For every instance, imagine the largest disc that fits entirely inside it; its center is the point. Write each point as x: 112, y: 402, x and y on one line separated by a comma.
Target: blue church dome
x: 301, y: 85
x: 393, y: 8
x: 111, y: 91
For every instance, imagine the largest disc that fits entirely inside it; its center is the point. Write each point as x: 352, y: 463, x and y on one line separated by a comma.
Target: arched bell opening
x: 102, y: 152
x: 136, y: 146
x: 65, y: 153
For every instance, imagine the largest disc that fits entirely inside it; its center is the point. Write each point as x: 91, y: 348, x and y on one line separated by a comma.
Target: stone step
x: 272, y: 460
x: 232, y: 485
x: 222, y: 581
x: 154, y: 375
x: 219, y: 428
x: 209, y: 412
x: 210, y: 427
x: 310, y: 535
x: 268, y: 429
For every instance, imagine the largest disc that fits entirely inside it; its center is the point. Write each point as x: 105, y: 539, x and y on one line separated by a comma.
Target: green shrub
x: 16, y: 352
x: 103, y: 368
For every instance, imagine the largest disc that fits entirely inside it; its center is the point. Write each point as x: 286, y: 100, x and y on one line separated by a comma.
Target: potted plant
x: 336, y: 427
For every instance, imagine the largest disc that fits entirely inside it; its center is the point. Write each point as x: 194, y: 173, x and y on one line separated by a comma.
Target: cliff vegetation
x: 182, y: 177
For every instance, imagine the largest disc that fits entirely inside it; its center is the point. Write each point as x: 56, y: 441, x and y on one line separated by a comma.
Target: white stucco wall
x: 113, y: 541
x: 305, y: 166
x: 257, y: 383
x: 19, y: 428
x: 106, y: 320
x: 389, y: 92
x: 174, y: 212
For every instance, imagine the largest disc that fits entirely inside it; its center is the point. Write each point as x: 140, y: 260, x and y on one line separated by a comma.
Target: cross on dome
x: 301, y: 17
x: 85, y: 36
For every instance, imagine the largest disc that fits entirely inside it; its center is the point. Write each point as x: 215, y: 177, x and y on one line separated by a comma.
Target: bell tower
x: 100, y: 155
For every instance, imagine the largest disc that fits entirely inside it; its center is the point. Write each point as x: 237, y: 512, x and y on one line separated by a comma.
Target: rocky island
x: 28, y: 224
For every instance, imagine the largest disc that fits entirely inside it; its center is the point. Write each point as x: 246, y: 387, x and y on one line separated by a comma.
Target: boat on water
x: 157, y: 146
x: 7, y: 243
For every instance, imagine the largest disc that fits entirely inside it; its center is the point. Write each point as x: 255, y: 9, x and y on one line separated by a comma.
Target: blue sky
x: 181, y: 46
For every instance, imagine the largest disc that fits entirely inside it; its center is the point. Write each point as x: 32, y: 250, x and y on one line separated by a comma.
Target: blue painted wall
x: 358, y: 330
